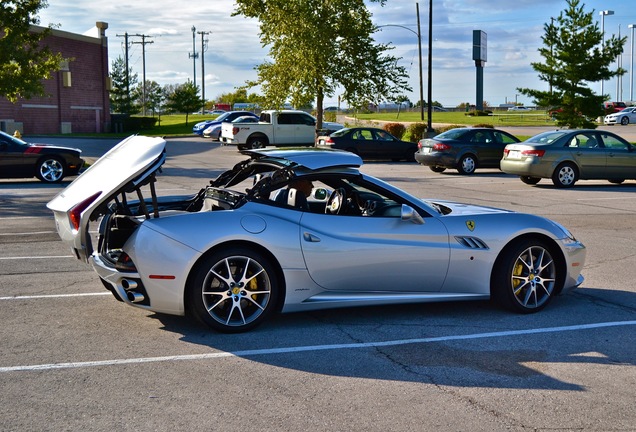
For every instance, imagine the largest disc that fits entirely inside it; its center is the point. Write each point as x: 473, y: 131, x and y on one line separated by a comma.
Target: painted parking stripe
x: 51, y: 296
x: 37, y: 257
x: 310, y: 348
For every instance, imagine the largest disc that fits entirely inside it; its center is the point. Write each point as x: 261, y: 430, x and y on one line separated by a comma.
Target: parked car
x: 217, y: 112
x: 50, y: 164
x: 566, y: 156
x: 464, y: 149
x: 613, y: 107
x: 519, y: 108
x: 214, y: 131
x: 369, y: 143
x: 231, y: 255
x: 624, y: 117
x: 225, y: 117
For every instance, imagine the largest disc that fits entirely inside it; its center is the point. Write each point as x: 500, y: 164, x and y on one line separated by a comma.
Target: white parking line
x: 37, y: 257
x: 27, y: 233
x: 47, y: 296
x: 297, y: 349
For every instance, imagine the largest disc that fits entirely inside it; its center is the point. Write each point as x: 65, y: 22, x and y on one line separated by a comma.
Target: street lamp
x: 194, y: 56
x: 602, y: 14
x: 631, y: 66
x: 419, y: 39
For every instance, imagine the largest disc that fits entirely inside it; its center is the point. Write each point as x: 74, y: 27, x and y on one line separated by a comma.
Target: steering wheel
x: 336, y: 201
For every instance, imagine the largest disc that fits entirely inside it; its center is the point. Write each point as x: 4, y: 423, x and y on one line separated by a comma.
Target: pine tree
x: 122, y: 83
x: 575, y: 57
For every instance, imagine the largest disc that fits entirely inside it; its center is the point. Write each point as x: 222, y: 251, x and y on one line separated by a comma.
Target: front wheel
x: 530, y: 180
x: 525, y: 276
x: 565, y: 175
x: 467, y: 165
x: 233, y: 290
x: 625, y: 121
x: 50, y: 170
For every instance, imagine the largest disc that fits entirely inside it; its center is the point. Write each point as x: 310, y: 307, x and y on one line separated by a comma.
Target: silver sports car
x: 296, y: 230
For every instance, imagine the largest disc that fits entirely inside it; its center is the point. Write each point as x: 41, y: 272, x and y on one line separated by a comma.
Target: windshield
x: 222, y: 117
x: 7, y: 138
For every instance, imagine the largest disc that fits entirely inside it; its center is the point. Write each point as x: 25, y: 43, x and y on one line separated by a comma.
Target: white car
x: 519, y: 108
x: 624, y: 117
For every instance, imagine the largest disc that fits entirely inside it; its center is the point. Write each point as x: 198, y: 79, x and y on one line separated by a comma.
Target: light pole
x: 194, y: 56
x: 631, y: 65
x: 204, y: 47
x: 602, y: 14
x: 419, y: 39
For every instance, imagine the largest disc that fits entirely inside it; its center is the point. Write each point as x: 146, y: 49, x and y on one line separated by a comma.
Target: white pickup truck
x: 275, y: 128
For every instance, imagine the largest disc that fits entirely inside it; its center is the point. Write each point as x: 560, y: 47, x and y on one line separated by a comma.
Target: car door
x: 620, y: 157
x: 364, y: 253
x: 386, y: 145
x: 285, y: 129
x: 364, y: 143
x: 588, y: 152
x: 12, y: 159
x: 494, y: 149
x: 305, y: 131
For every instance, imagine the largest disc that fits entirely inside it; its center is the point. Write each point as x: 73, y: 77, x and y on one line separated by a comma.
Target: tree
x: 318, y: 46
x: 24, y: 60
x: 574, y: 58
x: 184, y: 99
x: 155, y: 96
x: 122, y: 81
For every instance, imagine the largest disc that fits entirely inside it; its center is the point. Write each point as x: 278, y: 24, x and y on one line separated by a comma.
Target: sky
x: 513, y: 28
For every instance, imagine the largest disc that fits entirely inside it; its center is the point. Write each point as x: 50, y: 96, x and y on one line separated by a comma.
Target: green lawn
x: 500, y: 118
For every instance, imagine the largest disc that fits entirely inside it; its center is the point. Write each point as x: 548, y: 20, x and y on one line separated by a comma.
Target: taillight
x: 441, y: 147
x: 125, y: 263
x: 506, y: 151
x: 235, y: 130
x: 75, y: 213
x: 533, y: 152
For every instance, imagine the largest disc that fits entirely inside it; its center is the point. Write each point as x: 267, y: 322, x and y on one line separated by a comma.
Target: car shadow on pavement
x: 454, y: 344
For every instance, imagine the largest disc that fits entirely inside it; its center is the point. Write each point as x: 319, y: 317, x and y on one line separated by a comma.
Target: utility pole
x: 126, y: 45
x: 194, y: 55
x: 143, y: 51
x: 204, y: 47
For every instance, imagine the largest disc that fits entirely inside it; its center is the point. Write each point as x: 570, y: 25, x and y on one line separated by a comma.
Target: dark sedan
x: 464, y: 149
x: 50, y: 164
x: 369, y: 143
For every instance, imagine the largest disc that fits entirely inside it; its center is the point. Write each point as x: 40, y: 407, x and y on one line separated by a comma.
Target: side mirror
x: 408, y: 213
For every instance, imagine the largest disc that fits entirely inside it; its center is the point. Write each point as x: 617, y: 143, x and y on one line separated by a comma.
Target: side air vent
x: 471, y: 242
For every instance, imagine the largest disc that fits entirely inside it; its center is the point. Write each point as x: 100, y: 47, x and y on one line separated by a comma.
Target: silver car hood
x: 122, y: 168
x: 460, y: 209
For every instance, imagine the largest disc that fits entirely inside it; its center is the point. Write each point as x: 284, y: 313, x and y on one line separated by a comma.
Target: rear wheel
x: 233, y: 290
x: 256, y: 142
x: 530, y: 180
x: 565, y: 175
x: 467, y: 165
x: 525, y: 276
x: 437, y: 169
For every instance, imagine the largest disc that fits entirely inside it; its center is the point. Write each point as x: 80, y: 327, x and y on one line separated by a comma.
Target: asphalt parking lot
x: 73, y: 358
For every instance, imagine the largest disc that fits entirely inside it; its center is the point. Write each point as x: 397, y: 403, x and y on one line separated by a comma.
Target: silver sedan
x: 623, y: 117
x: 297, y: 230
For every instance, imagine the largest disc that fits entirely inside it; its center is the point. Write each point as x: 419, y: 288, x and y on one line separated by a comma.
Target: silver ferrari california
x: 297, y: 230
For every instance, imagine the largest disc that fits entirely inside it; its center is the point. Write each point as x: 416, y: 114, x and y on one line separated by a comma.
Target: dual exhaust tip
x: 132, y: 295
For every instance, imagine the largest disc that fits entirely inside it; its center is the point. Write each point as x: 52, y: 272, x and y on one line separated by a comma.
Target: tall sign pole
x: 480, y: 57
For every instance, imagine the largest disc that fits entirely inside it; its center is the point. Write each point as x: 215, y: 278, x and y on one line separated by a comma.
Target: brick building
x: 77, y: 94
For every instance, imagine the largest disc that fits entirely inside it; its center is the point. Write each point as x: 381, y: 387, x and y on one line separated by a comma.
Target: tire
x: 616, y: 181
x: 257, y: 142
x: 530, y: 180
x: 50, y: 170
x: 437, y: 169
x: 525, y: 276
x: 233, y: 290
x: 467, y: 165
x: 565, y: 175
x: 625, y: 121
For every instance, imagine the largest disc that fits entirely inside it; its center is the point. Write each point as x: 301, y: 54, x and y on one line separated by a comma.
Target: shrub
x: 395, y: 129
x: 416, y: 132
x: 449, y: 127
x: 132, y: 124
x: 477, y: 113
x: 484, y: 125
